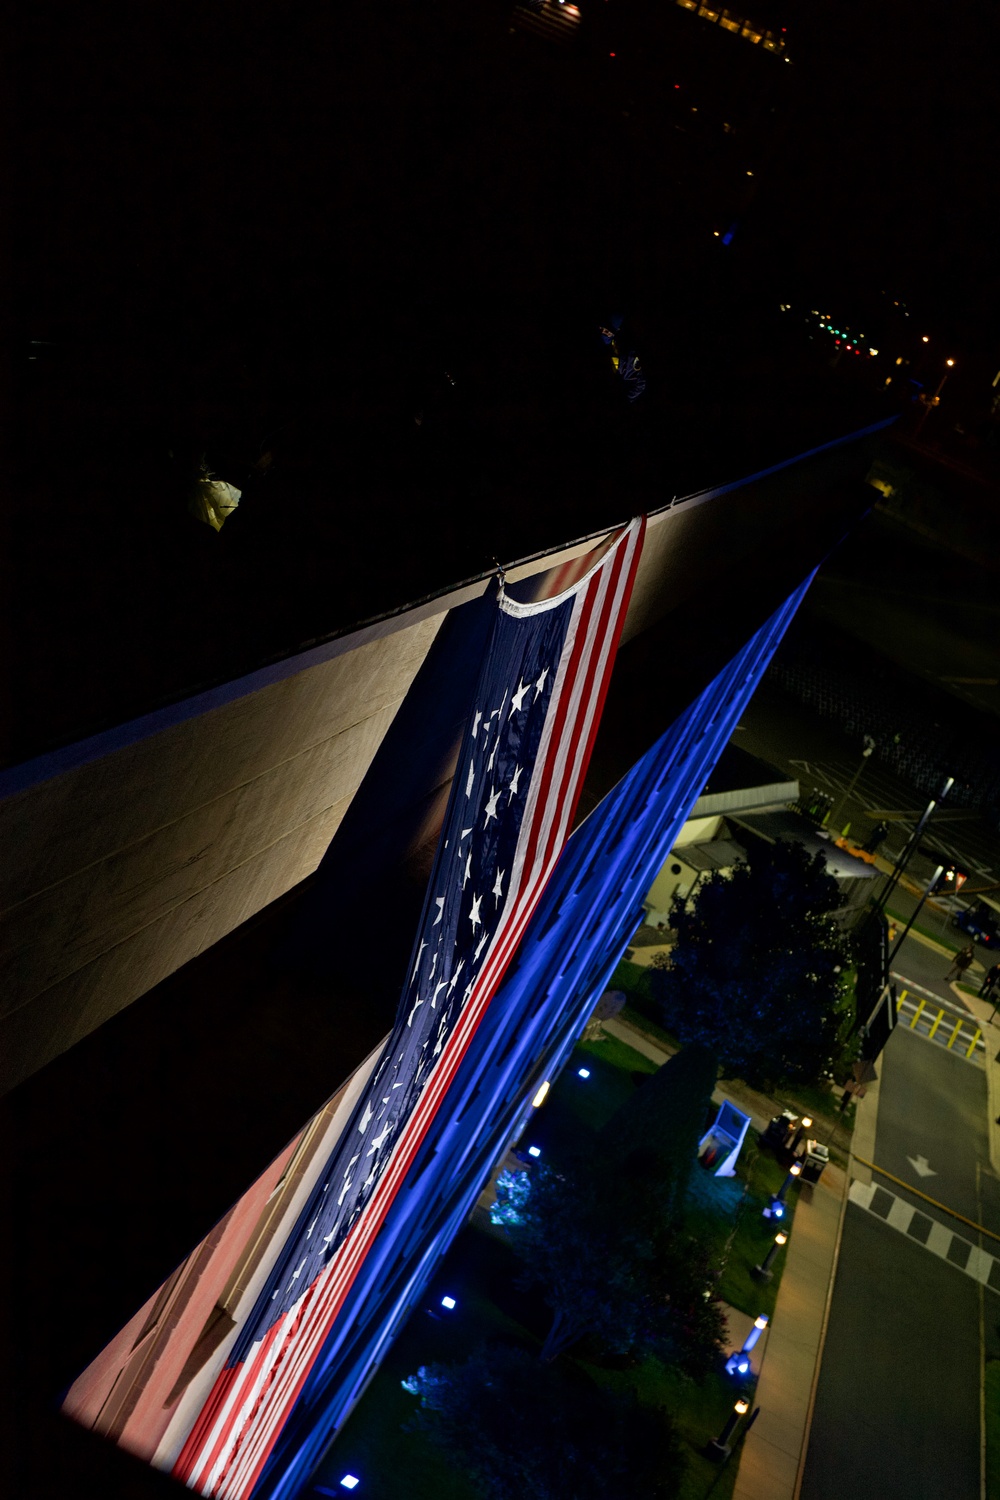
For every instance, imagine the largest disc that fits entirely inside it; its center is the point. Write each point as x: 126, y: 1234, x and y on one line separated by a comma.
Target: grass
x: 935, y: 936
x: 718, y: 1205
x: 993, y: 1429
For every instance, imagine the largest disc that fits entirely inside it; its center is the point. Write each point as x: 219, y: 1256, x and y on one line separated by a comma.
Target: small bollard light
x: 534, y: 1150
x: 350, y: 1481
x: 738, y: 1362
x: 763, y: 1272
x: 758, y: 1328
x: 793, y: 1171
x: 583, y: 1072
x: 448, y: 1302
x: 720, y: 1448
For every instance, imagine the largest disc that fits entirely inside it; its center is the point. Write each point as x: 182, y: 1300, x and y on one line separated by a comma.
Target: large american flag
x: 521, y: 767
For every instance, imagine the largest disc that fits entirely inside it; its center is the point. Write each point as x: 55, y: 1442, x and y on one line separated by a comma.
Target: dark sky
x: 240, y: 220
x: 890, y: 173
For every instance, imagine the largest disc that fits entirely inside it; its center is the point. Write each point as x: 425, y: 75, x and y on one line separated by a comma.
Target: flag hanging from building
x: 520, y: 771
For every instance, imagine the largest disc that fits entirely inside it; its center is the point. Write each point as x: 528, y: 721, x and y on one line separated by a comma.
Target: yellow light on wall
x: 540, y: 1096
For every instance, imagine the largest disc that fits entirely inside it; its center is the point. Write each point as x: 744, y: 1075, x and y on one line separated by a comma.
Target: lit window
x: 730, y: 24
x: 688, y: 4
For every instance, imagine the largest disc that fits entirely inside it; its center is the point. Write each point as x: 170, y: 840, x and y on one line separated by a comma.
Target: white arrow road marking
x: 921, y: 1166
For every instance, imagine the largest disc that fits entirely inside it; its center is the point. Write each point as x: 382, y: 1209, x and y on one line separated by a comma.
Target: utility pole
x: 911, y: 845
x: 902, y: 937
x: 865, y: 754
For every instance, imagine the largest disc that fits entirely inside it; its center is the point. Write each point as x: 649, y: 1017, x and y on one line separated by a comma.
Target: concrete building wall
x: 126, y: 858
x: 120, y: 870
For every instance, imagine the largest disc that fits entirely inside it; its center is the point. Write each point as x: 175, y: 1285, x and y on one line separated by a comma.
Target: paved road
x: 921, y: 970
x: 795, y: 739
x: 898, y: 1401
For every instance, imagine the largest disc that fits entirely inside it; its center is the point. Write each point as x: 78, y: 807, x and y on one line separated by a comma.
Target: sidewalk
x: 772, y: 1457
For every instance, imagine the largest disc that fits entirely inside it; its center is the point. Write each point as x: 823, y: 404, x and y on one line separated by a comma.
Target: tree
x: 608, y: 1264
x: 756, y: 973
x: 523, y: 1432
x: 650, y: 1143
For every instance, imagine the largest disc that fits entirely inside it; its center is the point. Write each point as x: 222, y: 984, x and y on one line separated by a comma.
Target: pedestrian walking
x: 960, y: 962
x: 990, y: 980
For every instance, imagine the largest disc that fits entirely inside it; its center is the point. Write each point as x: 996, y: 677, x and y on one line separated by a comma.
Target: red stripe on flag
x: 591, y: 657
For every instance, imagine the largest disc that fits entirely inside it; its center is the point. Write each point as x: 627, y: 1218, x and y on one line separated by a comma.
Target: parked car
x: 981, y: 921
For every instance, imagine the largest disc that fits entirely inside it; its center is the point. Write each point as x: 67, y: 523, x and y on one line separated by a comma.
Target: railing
x: 943, y: 1026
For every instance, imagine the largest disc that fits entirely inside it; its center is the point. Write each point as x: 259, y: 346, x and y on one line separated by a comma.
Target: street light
x: 865, y: 755
x: 930, y: 401
x: 763, y: 1272
x: 720, y: 1448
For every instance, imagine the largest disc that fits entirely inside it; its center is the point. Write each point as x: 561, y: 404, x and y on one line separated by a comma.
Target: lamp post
x: 911, y: 844
x: 928, y: 402
x: 763, y: 1272
x: 865, y: 755
x: 916, y: 912
x: 720, y: 1448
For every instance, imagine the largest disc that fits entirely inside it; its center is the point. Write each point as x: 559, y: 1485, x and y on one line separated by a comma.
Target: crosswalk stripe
x: 942, y: 1242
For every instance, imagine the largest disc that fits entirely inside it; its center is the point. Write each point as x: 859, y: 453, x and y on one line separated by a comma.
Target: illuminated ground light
x: 350, y: 1482
x: 448, y: 1302
x: 534, y: 1150
x: 583, y: 1072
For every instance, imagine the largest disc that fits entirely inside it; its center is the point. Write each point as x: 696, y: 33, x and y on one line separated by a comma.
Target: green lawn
x: 480, y: 1270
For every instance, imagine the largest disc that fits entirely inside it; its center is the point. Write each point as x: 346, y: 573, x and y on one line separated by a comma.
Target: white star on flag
x: 285, y: 1352
x: 518, y: 698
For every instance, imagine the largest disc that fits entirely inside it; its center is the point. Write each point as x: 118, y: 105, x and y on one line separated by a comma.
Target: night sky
x: 263, y: 233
